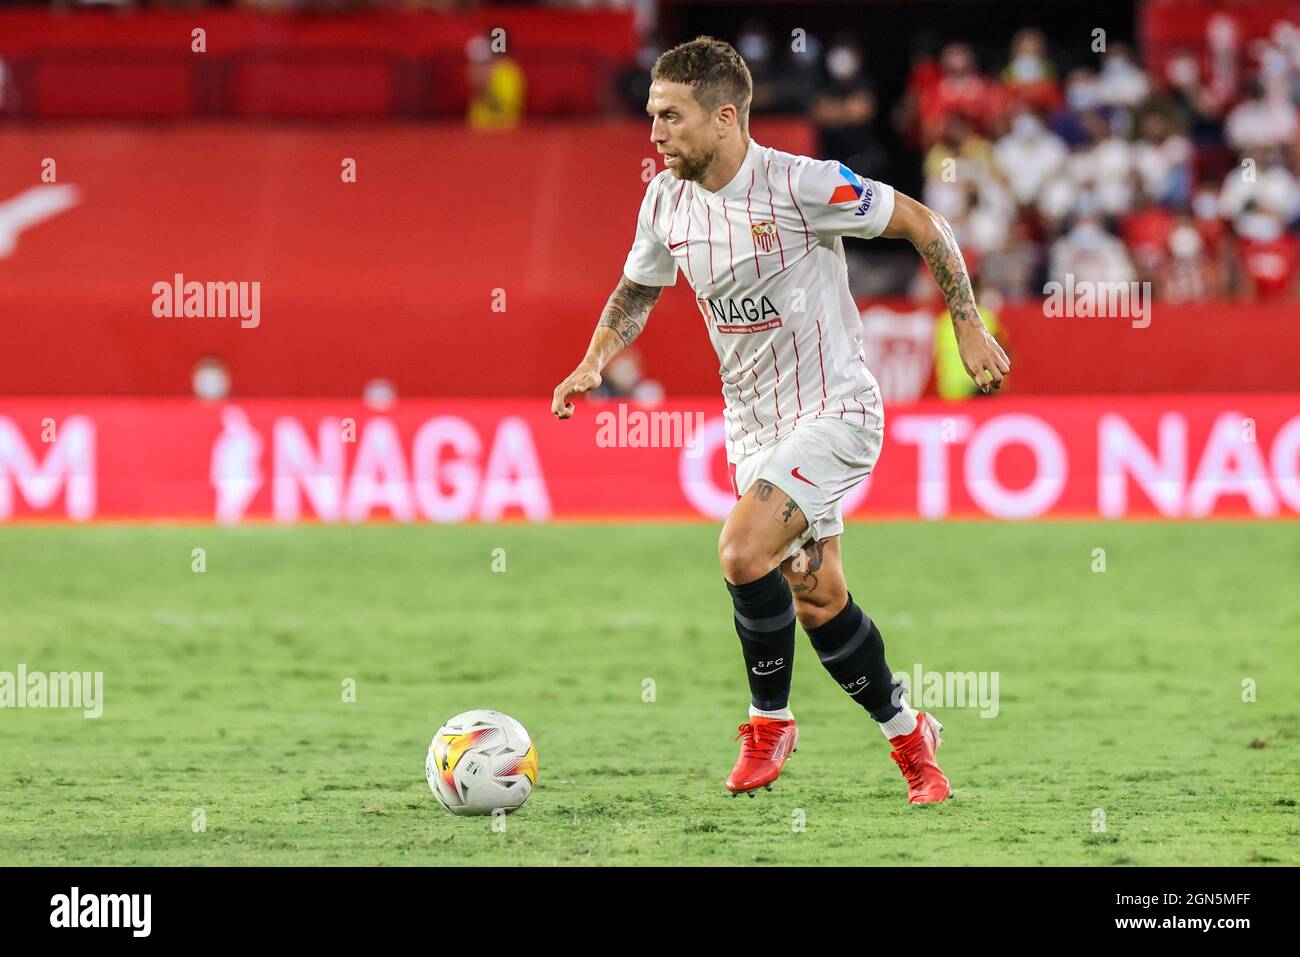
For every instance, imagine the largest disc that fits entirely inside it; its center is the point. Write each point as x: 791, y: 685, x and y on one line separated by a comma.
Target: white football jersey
x: 766, y: 261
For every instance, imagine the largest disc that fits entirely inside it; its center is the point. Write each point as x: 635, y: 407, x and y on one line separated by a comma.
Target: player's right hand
x: 581, y: 379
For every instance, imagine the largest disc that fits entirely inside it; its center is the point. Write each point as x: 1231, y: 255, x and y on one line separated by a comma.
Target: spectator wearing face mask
x: 1270, y: 260
x: 844, y: 113
x: 1030, y: 77
x: 1163, y: 160
x: 959, y: 160
x: 1188, y: 271
x: 1081, y: 98
x: 960, y: 89
x: 1106, y: 166
x: 1269, y: 185
x: 1015, y: 268
x: 1090, y: 253
x: 1146, y: 230
x: 1260, y: 122
x: 1028, y: 156
x: 1121, y: 81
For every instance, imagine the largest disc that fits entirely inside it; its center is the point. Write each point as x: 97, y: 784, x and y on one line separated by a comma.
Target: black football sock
x: 764, y: 613
x: 851, y: 649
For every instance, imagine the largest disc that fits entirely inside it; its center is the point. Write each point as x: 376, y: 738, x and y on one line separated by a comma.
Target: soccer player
x: 758, y: 234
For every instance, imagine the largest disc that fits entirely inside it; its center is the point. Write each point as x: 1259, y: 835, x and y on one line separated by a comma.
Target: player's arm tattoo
x: 628, y: 309
x: 944, y: 258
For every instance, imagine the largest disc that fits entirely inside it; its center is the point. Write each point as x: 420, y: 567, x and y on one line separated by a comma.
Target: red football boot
x: 914, y: 754
x: 768, y: 742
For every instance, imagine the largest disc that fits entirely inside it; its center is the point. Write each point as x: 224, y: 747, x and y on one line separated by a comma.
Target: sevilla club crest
x: 764, y: 235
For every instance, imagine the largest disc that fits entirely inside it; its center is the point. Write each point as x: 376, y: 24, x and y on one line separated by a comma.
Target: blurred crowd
x: 1109, y: 172
x: 1114, y: 174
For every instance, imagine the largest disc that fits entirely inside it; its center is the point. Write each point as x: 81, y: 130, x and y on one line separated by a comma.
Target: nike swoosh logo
x: 675, y: 245
x: 854, y: 694
x: 772, y: 672
x: 795, y: 472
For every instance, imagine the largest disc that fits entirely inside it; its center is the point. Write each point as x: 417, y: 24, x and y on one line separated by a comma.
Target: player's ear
x: 725, y: 118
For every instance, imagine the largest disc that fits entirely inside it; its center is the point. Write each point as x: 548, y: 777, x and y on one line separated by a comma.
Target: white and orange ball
x: 480, y: 762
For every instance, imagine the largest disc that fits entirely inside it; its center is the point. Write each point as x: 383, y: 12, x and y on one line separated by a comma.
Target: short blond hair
x: 715, y: 72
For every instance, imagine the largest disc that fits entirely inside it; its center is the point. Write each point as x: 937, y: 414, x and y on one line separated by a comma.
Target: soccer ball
x: 480, y: 761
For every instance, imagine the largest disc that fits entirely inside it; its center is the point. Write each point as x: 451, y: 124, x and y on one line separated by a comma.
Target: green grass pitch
x: 1119, y: 690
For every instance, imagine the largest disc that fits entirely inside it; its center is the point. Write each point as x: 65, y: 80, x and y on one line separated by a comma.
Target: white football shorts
x: 816, y: 463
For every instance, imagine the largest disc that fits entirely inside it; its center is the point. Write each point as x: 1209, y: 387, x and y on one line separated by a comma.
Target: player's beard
x: 693, y: 166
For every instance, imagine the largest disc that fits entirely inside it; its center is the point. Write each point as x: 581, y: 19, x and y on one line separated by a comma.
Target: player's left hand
x: 983, y: 358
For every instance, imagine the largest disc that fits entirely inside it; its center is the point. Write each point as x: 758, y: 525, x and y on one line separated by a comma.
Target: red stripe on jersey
x: 753, y: 409
x: 776, y: 389
x: 741, y: 417
x: 797, y: 389
x: 821, y: 364
x: 708, y: 214
x: 752, y: 241
x: 731, y: 253
x: 772, y: 209
x: 807, y: 240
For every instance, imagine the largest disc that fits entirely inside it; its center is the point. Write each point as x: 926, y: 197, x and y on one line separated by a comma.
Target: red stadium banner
x: 1176, y: 457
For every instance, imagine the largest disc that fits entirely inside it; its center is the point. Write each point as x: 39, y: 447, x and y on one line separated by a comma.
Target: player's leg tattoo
x: 805, y: 566
x: 765, y: 491
x: 787, y: 511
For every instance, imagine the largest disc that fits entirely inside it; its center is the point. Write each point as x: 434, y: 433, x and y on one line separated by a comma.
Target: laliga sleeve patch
x: 847, y: 192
